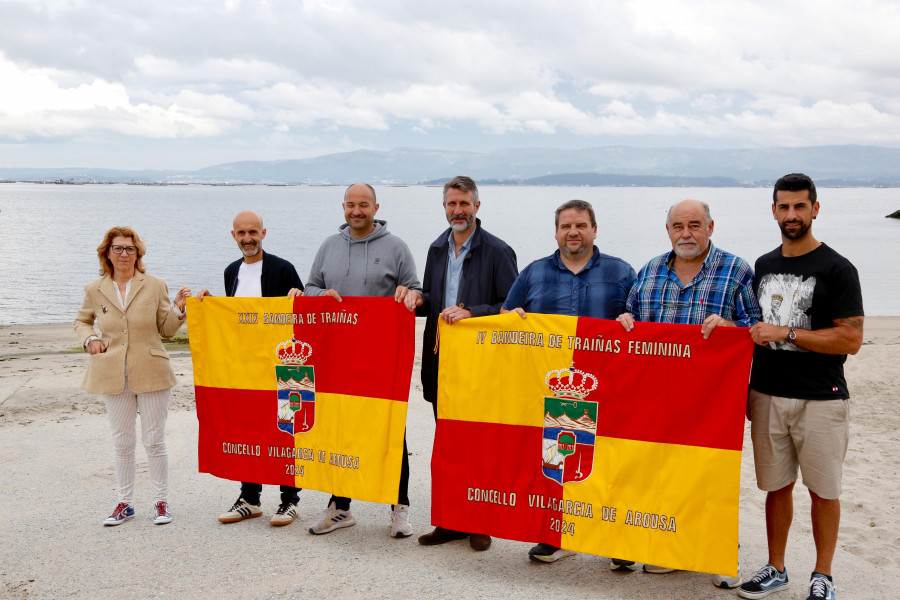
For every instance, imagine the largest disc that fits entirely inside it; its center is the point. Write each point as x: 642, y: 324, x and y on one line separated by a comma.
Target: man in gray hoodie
x: 364, y: 259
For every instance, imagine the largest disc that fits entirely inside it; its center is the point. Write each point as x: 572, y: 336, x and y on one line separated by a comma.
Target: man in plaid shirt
x: 698, y: 284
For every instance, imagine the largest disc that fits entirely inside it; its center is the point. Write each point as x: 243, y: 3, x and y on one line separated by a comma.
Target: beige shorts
x: 789, y: 433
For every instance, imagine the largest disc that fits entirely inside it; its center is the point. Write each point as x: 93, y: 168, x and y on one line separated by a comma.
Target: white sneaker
x: 657, y: 570
x: 240, y: 511
x: 727, y: 583
x: 285, y: 515
x: 330, y: 519
x: 400, y: 527
x: 163, y: 515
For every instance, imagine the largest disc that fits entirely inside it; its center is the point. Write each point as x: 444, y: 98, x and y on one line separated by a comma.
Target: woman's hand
x: 183, y: 294
x: 96, y: 347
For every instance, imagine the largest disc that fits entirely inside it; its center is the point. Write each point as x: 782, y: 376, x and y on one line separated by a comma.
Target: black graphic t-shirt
x: 808, y: 292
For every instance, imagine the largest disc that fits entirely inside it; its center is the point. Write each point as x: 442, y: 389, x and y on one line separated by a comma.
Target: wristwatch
x: 792, y: 335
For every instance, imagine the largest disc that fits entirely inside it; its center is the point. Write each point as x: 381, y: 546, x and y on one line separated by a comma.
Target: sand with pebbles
x: 58, y: 484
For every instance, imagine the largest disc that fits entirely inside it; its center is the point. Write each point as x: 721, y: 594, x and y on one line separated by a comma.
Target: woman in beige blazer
x: 120, y: 323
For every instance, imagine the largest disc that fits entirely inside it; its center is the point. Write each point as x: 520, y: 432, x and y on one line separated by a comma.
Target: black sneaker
x: 547, y: 553
x: 623, y: 566
x: 821, y: 587
x: 767, y: 580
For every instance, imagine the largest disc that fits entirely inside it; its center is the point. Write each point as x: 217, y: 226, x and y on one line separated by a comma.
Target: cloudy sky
x: 183, y: 84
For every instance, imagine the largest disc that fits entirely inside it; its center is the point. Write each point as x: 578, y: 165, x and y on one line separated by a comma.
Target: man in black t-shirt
x: 798, y: 404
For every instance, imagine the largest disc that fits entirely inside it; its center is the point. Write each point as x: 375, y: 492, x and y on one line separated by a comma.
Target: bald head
x: 692, y: 205
x: 249, y: 233
x: 359, y: 209
x: 689, y: 226
x: 246, y: 217
x: 360, y: 190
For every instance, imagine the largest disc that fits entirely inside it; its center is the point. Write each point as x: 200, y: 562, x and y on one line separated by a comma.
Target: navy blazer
x: 488, y: 272
x: 277, y: 279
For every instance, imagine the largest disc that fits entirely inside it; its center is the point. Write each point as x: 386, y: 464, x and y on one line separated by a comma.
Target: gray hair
x: 703, y: 204
x: 466, y: 184
x: 579, y: 205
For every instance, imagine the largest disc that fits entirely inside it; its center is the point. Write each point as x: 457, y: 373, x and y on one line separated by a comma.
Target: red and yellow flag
x: 306, y: 392
x: 573, y: 432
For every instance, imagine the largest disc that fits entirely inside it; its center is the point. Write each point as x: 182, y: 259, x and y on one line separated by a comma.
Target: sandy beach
x: 56, y: 467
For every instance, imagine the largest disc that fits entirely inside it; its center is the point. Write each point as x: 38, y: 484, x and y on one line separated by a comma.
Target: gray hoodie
x: 372, y: 266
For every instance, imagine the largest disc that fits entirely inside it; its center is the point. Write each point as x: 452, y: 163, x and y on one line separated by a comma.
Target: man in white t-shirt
x: 258, y: 274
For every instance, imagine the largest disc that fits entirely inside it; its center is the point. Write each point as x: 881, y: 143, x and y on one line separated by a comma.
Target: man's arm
x: 627, y: 282
x: 845, y: 337
x: 427, y: 283
x: 315, y: 283
x: 746, y: 307
x: 746, y: 310
x: 846, y: 334
x: 294, y: 281
x: 518, y: 295
x: 406, y: 271
x: 632, y: 306
x: 409, y: 290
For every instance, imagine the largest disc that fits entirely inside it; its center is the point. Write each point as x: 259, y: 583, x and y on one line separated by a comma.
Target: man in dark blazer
x: 468, y: 273
x: 258, y: 274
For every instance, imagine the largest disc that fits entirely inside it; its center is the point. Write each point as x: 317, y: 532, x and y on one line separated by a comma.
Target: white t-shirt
x: 249, y: 283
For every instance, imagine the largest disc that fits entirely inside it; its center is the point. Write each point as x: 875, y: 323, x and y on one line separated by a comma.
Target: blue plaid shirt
x: 722, y: 287
x: 547, y: 286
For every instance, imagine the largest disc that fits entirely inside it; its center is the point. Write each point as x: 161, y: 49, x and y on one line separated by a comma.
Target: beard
x: 460, y: 227
x: 577, y: 252
x: 688, y: 249
x: 251, y: 249
x: 798, y: 233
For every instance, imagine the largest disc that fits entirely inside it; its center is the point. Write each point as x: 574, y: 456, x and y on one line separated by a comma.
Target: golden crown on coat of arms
x: 570, y: 382
x: 293, y: 352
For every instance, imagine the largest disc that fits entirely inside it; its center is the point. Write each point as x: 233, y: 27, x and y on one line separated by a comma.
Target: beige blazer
x: 132, y: 334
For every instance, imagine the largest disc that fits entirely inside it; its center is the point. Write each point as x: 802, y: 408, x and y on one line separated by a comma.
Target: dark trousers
x: 251, y: 491
x: 342, y: 503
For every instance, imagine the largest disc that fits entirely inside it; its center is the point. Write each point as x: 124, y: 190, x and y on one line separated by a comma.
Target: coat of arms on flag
x: 296, y: 387
x: 626, y: 449
x: 570, y: 426
x: 307, y: 427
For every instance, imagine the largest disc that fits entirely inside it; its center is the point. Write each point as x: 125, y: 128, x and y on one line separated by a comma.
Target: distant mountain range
x: 608, y: 166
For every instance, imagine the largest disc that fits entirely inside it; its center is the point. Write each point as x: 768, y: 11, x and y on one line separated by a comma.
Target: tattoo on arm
x: 855, y: 322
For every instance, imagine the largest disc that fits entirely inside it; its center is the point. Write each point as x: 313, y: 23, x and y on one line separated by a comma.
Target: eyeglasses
x: 129, y: 250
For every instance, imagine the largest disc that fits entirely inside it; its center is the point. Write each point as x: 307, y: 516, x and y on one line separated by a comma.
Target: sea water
x: 50, y: 232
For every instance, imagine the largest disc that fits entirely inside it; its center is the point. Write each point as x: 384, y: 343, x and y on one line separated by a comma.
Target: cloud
x: 35, y: 105
x: 342, y: 73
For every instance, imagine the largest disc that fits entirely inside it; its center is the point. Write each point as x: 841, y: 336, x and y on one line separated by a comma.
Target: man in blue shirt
x: 695, y: 283
x: 575, y: 280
